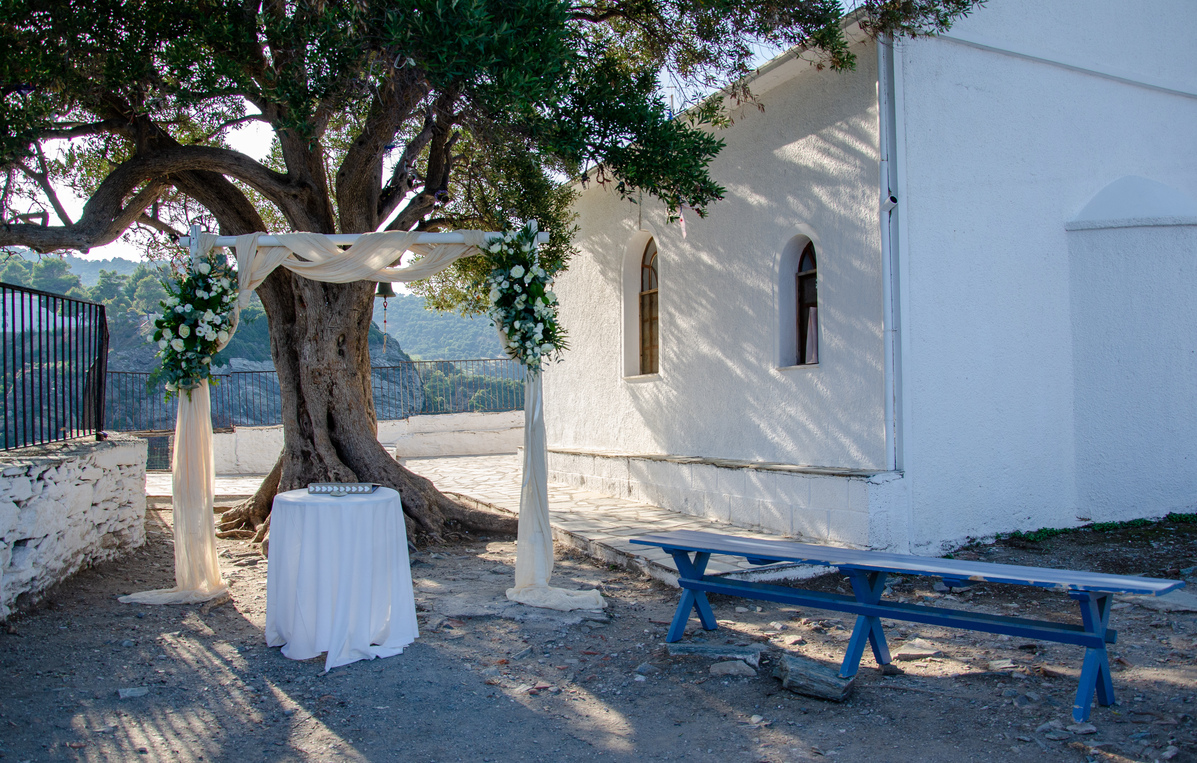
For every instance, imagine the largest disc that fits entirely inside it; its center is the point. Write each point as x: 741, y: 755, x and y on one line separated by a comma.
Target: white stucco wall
x: 808, y: 164
x: 64, y: 507
x: 1134, y: 316
x: 1007, y: 127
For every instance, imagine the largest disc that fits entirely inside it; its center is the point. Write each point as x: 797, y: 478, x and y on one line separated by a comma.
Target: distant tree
x: 53, y: 275
x: 148, y: 294
x: 110, y: 291
x: 387, y: 114
x: 17, y: 271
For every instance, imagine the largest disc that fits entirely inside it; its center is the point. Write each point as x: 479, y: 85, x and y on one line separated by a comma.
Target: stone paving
x: 596, y: 524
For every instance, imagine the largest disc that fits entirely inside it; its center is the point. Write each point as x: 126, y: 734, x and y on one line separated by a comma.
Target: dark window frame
x: 806, y: 292
x: 649, y: 314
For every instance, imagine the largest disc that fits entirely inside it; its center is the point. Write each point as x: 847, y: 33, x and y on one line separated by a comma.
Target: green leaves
x: 489, y: 106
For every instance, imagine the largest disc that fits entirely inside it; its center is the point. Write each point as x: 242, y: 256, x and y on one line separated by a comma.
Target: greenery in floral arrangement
x: 195, y: 322
x: 523, y: 305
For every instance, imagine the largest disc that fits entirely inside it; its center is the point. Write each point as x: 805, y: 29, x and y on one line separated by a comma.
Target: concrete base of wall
x: 254, y: 450
x: 454, y: 434
x: 64, y: 507
x: 840, y: 506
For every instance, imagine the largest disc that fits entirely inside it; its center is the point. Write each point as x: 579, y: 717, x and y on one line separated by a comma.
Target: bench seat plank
x: 879, y: 561
x: 867, y: 571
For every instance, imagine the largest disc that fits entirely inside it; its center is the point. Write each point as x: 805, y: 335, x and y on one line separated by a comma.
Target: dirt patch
x: 519, y: 684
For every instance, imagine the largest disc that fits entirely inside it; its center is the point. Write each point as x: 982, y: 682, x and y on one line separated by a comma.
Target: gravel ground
x: 500, y: 683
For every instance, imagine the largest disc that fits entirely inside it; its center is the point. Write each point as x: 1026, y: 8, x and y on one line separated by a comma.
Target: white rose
x: 162, y: 343
x: 517, y: 271
x: 184, y: 331
x: 546, y: 347
x: 177, y: 344
x: 223, y: 336
x: 179, y: 309
x: 206, y: 361
x: 204, y: 268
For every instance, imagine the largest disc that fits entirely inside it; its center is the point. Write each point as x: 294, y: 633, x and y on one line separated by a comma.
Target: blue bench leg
x: 1095, y: 671
x: 691, y: 599
x: 868, y: 588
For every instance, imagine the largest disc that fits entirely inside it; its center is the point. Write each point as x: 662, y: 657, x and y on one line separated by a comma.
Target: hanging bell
x: 384, y: 290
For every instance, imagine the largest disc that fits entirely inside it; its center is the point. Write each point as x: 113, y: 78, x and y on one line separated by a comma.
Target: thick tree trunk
x: 319, y: 342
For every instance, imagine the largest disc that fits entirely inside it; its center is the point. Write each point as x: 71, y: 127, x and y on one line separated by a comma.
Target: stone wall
x: 65, y: 507
x: 254, y: 450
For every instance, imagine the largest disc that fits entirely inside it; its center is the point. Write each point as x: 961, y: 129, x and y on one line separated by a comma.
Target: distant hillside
x: 89, y: 270
x: 431, y: 335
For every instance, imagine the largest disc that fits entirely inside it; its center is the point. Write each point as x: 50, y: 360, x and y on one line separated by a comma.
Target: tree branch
x: 42, y: 179
x: 360, y: 173
x: 248, y: 118
x: 106, y: 215
x: 158, y: 225
x: 83, y: 130
x: 440, y: 165
x: 404, y: 178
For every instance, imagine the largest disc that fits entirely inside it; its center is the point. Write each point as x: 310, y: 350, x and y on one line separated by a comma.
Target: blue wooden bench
x: 867, y: 570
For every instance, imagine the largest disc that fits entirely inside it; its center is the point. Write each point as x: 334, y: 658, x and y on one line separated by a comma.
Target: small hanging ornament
x: 386, y: 292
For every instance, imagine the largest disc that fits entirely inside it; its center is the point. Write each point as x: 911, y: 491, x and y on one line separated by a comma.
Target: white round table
x: 338, y: 578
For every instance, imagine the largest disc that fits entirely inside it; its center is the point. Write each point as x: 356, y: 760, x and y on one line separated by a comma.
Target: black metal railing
x: 253, y: 398
x: 53, y: 365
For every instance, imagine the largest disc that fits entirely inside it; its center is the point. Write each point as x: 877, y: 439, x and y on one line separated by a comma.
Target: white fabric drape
x: 534, y: 546
x: 197, y: 573
x: 812, y: 336
x: 340, y: 577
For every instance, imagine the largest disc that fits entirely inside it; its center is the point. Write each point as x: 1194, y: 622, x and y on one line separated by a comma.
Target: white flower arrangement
x: 195, y: 322
x: 523, y: 306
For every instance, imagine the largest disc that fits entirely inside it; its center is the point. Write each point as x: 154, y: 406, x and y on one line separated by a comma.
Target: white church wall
x: 1134, y: 315
x: 807, y: 165
x: 1007, y: 126
x: 845, y: 507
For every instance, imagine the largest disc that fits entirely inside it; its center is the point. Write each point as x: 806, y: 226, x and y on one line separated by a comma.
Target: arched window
x: 650, y: 337
x: 806, y: 290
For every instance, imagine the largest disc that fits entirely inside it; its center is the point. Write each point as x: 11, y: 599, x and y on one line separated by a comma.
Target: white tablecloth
x: 339, y: 579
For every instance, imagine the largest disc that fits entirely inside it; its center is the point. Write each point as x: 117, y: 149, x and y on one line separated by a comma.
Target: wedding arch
x: 369, y: 256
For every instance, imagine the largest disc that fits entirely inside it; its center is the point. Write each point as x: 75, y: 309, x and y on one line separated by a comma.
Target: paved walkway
x: 596, y: 524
